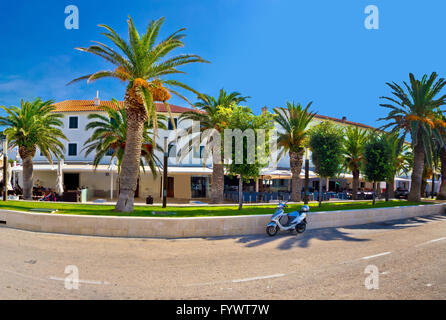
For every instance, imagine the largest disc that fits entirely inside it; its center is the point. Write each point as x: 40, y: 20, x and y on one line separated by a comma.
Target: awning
x: 283, y: 174
x: 402, y: 179
x: 106, y: 168
x: 68, y: 168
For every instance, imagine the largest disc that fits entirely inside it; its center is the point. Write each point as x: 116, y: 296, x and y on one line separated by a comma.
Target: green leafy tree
x: 242, y: 118
x: 109, y: 138
x: 379, y: 164
x: 413, y: 111
x: 142, y: 64
x: 326, y: 141
x: 208, y: 117
x: 33, y: 126
x: 292, y: 138
x: 353, y: 152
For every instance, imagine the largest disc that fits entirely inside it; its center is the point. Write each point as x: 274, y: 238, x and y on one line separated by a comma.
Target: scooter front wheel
x: 301, y: 227
x: 272, y: 230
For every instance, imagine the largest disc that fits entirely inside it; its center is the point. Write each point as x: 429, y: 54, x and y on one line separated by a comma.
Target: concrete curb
x: 198, y: 226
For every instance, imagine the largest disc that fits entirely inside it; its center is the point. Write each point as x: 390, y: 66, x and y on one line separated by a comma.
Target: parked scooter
x: 296, y: 220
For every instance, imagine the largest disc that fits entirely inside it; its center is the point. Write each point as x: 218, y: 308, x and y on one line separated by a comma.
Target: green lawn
x: 197, y: 211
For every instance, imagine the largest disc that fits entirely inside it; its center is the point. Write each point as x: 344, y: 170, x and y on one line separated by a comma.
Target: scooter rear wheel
x: 272, y: 230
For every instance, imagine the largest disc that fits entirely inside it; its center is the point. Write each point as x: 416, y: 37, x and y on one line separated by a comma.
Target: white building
x: 189, y: 179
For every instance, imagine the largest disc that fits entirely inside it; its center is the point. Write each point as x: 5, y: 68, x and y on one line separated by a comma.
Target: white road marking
x: 376, y: 255
x: 235, y: 280
x: 82, y: 281
x: 260, y: 278
x: 431, y: 241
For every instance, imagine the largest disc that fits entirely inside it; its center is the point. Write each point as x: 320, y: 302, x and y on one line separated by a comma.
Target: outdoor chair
x: 267, y: 197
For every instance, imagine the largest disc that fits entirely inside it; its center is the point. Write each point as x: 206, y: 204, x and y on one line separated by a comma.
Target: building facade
x: 188, y: 178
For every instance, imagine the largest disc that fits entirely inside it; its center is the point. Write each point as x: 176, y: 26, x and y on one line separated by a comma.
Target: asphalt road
x: 410, y: 257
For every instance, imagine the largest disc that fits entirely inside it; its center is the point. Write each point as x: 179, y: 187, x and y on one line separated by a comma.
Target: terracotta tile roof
x: 88, y: 105
x: 318, y: 116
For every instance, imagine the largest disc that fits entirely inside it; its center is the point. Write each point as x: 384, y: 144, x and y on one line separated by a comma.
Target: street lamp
x: 112, y: 169
x: 5, y: 167
x: 307, y: 176
x: 166, y: 151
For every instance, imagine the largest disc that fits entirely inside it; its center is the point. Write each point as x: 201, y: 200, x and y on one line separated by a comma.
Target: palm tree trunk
x: 355, y: 184
x: 417, y: 172
x: 391, y: 188
x: 218, y: 183
x: 320, y: 191
x: 423, y: 188
x: 28, y: 178
x: 296, y: 160
x: 27, y: 158
x: 442, y: 192
x: 240, y: 192
x: 136, y: 117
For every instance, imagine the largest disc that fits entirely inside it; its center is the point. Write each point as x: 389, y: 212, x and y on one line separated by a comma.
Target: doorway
x: 199, y: 186
x: 71, y: 181
x: 170, y: 187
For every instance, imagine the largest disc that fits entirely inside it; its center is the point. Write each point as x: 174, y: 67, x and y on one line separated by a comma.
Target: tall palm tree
x: 140, y: 63
x: 353, y: 150
x: 414, y: 112
x: 294, y: 121
x: 33, y: 126
x: 109, y: 137
x: 208, y: 119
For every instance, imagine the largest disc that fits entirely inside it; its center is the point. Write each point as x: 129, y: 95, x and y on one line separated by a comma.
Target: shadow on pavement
x: 287, y: 240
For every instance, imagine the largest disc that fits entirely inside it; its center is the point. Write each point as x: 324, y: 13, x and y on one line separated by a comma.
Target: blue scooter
x: 296, y: 220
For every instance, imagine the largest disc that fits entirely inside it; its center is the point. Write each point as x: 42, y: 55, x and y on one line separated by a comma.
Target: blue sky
x: 271, y: 50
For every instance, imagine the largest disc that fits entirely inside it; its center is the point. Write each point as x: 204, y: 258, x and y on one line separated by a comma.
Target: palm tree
x: 33, y: 126
x: 442, y: 192
x: 109, y: 137
x: 402, y: 159
x: 140, y: 63
x: 414, y: 113
x: 207, y: 117
x: 353, y: 150
x: 294, y: 121
x: 440, y: 153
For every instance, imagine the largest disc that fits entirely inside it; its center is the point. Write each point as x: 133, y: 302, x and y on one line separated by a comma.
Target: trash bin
x: 149, y: 200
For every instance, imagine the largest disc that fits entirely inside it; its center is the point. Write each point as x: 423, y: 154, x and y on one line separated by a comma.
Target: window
x: 170, y: 125
x: 172, y: 153
x: 199, y: 153
x: 72, y: 149
x: 73, y: 123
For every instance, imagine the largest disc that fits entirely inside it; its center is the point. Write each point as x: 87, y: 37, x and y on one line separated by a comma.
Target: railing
x: 284, y: 196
